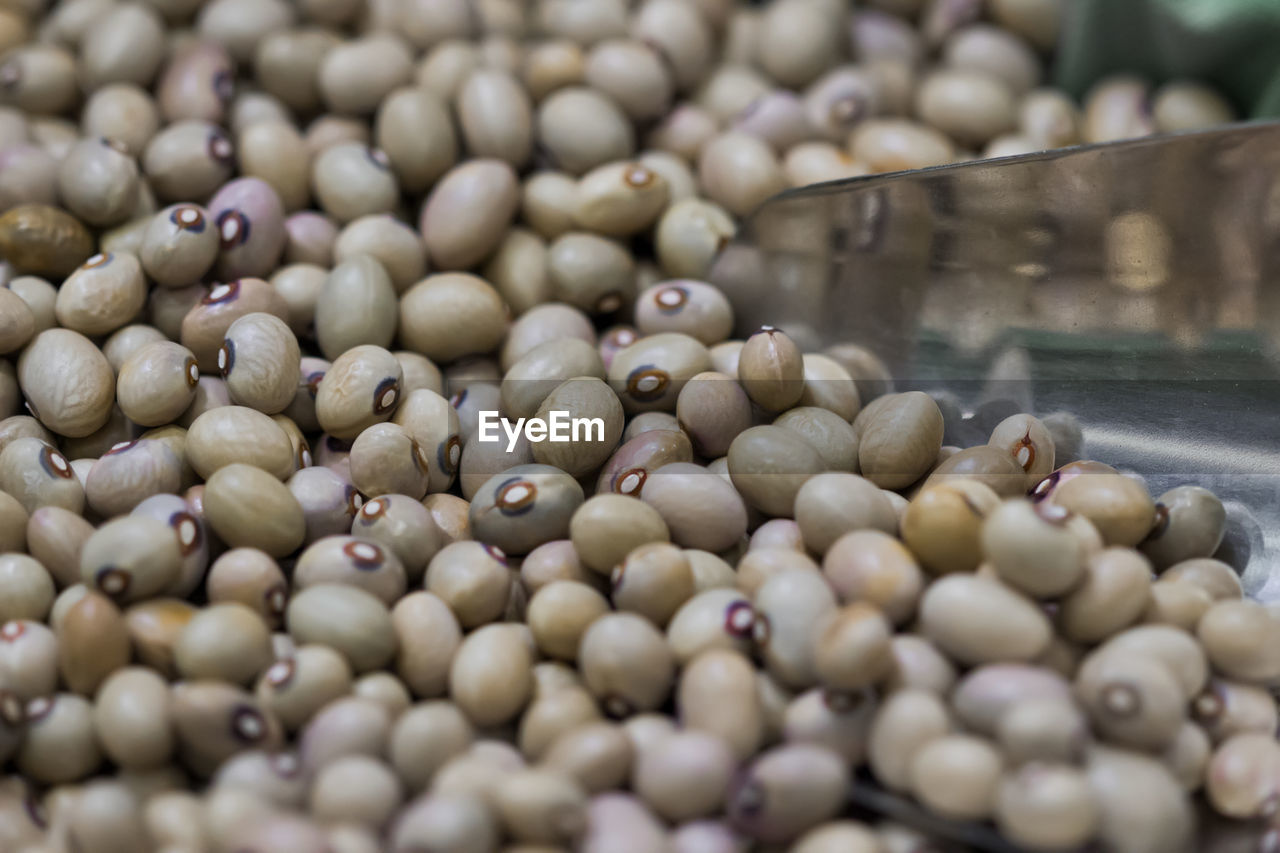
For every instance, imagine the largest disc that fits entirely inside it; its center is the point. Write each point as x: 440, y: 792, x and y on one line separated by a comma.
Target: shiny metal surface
x: 1135, y: 285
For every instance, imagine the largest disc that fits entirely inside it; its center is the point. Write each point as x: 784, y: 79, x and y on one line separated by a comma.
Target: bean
x: 205, y: 326
x: 944, y: 524
x: 739, y: 172
x: 214, y: 721
x: 771, y: 370
x: 360, y: 388
x: 467, y: 212
x: 428, y: 635
x: 490, y: 677
x: 187, y: 159
x: 620, y: 199
x: 547, y: 202
x: 309, y: 238
x: 257, y: 360
x: 355, y: 789
x: 543, y: 323
x: 653, y: 580
x: 1227, y: 708
x: 67, y: 382
x: 276, y: 153
x: 54, y: 537
x: 1115, y: 591
x: 1176, y: 649
x: 131, y: 719
x: 228, y: 641
x: 1239, y: 639
x: 450, y: 514
x: 893, y: 144
x: 1189, y: 524
x: 424, y: 738
x: 957, y: 776
x: 476, y: 317
x: 229, y: 435
x: 1132, y: 700
x: 687, y: 776
x: 787, y: 791
x: 347, y: 726
x: 37, y: 475
x: 553, y: 561
x: 179, y: 245
x: 871, y: 565
x: 533, y: 378
x: 40, y: 79
x: 130, y: 473
x: 1177, y: 604
x: 699, y: 510
x: 40, y: 296
x: 130, y: 558
x: 976, y: 620
x: 198, y: 83
x: 1242, y: 773
x: 836, y: 720
x: 832, y: 504
x: 252, y: 578
x: 446, y: 820
x: 23, y: 426
x: 1160, y: 818
x: 598, y: 756
x: 59, y: 746
x: 106, y: 292
x: 769, y: 465
x: 900, y: 439
x: 1046, y: 806
x: 98, y: 183
x: 386, y: 460
x: 534, y: 504
x: 404, y: 526
x: 759, y: 565
x: 473, y: 579
x: 630, y: 72
x: 1117, y: 108
x: 28, y: 660
x: 297, y: 687
x: 329, y: 501
x: 1031, y: 547
x: 581, y: 128
x: 1185, y: 105
x: 609, y: 526
x: 1215, y: 577
x: 250, y: 106
x: 1118, y: 506
x: 1037, y: 22
x: 689, y: 234
x: 560, y: 612
x: 638, y: 681
x: 350, y: 620
x: 154, y: 627
x: 852, y: 650
x: 248, y: 507
x: 788, y: 605
x: 495, y: 116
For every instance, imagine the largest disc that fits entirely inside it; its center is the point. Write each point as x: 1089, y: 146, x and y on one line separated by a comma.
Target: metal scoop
x: 1134, y: 285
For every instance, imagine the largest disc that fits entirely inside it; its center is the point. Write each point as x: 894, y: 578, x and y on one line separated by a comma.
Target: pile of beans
x: 263, y: 588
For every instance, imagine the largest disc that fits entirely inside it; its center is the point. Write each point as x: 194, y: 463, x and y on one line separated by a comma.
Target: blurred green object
x: 1232, y: 44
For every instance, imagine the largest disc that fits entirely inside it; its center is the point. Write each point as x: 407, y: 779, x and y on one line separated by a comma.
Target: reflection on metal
x: 1136, y: 283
